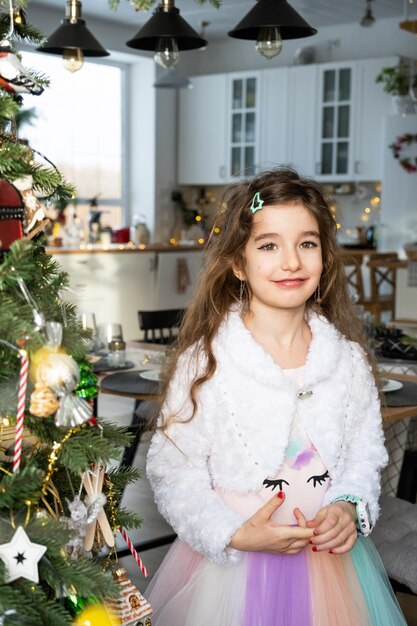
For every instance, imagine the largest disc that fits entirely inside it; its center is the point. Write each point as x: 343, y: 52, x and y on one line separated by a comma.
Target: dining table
x: 399, y: 408
x: 399, y: 416
x: 127, y: 381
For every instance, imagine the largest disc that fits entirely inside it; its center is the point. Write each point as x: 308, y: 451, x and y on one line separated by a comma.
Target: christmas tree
x: 60, y: 485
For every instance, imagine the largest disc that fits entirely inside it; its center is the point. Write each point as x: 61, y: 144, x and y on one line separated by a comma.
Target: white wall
x: 399, y: 191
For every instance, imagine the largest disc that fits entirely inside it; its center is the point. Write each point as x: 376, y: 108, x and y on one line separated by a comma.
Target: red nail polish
x: 331, y: 552
x: 311, y: 542
x: 281, y: 495
x: 314, y: 548
x: 316, y: 532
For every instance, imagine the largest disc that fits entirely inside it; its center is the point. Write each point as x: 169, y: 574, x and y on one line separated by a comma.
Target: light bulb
x: 368, y: 19
x: 73, y: 59
x: 269, y: 42
x: 167, y: 53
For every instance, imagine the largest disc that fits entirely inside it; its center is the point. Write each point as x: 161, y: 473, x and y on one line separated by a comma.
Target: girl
x: 269, y: 441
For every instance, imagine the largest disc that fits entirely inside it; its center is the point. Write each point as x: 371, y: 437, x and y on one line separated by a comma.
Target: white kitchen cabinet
x: 219, y: 129
x: 336, y: 119
x: 203, y: 123
x: 325, y: 120
x: 274, y: 115
x: 301, y: 118
x: 243, y: 101
x: 372, y: 107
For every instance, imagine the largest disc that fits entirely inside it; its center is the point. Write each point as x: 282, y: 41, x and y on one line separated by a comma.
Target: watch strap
x: 347, y: 498
x: 363, y: 518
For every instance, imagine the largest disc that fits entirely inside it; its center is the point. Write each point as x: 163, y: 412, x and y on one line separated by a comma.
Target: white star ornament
x: 21, y: 557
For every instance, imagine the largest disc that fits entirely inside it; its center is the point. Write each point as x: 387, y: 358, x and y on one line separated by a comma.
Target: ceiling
x: 316, y: 12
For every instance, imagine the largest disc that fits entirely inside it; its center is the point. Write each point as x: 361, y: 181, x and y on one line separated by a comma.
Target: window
x: 79, y: 127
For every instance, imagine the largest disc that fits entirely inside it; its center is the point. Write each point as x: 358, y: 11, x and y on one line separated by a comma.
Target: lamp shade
x: 272, y: 13
x: 73, y: 35
x: 166, y: 23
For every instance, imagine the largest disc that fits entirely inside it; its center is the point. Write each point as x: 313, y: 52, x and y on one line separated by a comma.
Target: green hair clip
x: 259, y: 203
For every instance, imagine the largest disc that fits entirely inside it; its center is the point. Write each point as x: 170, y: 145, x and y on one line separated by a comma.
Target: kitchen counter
x: 125, y: 247
x: 116, y: 282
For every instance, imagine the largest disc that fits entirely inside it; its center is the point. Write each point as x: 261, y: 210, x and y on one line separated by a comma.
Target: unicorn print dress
x: 305, y: 589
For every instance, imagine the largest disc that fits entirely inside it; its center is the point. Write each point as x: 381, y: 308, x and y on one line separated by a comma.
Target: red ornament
x: 11, y: 214
x: 408, y: 163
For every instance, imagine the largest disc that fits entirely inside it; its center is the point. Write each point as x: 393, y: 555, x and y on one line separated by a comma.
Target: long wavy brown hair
x: 218, y: 288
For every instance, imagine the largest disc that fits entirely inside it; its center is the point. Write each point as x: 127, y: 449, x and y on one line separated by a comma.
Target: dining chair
x: 160, y: 326
x: 353, y: 271
x: 383, y: 274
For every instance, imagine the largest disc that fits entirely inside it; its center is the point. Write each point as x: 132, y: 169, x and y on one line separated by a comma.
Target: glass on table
x: 117, y: 353
x: 110, y: 332
x: 88, y: 322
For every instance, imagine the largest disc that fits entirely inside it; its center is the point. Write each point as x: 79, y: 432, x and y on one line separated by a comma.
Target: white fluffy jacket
x: 240, y: 432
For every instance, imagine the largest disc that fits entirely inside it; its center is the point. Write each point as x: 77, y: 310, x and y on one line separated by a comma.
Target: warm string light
x: 53, y: 457
x: 110, y: 495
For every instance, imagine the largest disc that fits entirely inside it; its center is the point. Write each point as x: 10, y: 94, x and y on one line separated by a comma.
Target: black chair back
x: 158, y: 325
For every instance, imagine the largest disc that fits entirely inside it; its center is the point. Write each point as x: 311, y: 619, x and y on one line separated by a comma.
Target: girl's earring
x: 241, y: 290
x: 317, y: 296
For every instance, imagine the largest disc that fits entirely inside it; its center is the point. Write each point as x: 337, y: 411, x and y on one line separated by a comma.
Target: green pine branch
x: 127, y: 519
x: 38, y: 77
x: 17, y: 160
x: 118, y: 434
x: 50, y: 182
x: 48, y: 611
x: 18, y: 488
x: 9, y: 107
x: 24, y: 31
x: 123, y: 476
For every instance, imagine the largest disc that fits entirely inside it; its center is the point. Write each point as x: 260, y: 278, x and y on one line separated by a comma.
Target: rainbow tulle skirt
x: 305, y: 589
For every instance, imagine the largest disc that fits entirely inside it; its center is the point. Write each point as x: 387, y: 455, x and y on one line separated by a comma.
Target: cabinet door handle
x: 318, y: 167
x: 153, y: 263
x: 222, y: 171
x: 357, y: 167
x: 83, y: 262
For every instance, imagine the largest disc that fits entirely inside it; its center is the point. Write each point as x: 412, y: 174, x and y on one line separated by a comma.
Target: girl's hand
x: 335, y: 528
x: 261, y: 534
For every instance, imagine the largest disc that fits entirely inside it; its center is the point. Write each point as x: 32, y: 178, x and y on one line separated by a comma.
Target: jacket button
x: 303, y: 394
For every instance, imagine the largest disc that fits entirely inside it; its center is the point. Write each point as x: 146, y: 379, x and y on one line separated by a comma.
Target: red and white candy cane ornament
x: 133, y: 551
x: 21, y: 400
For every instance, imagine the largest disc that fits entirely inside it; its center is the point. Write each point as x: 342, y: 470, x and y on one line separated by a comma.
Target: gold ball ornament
x: 54, y: 369
x: 43, y: 401
x: 96, y: 615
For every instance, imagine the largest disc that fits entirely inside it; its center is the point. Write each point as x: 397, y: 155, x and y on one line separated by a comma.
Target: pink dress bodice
x: 303, y: 477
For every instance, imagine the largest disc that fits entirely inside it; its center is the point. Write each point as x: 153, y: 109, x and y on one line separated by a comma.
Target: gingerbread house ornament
x: 11, y: 214
x: 131, y: 608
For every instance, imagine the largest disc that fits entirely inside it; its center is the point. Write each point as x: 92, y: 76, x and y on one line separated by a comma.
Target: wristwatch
x: 364, y: 520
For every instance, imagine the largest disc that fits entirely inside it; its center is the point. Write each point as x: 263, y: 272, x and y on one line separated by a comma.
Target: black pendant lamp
x: 166, y: 33
x: 73, y: 39
x: 268, y: 23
